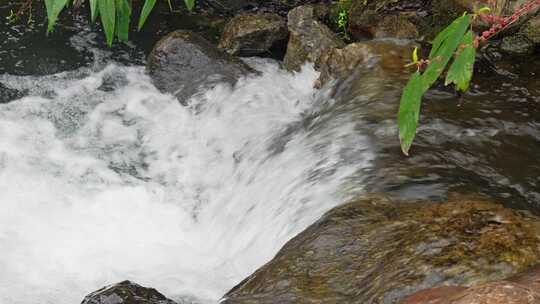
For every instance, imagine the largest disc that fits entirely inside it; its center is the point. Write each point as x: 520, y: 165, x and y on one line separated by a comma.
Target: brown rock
x: 395, y: 26
x: 254, y: 34
x: 375, y: 250
x: 308, y: 38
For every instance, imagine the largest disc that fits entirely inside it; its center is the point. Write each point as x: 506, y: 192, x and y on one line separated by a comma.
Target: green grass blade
x: 190, y: 4
x: 409, y: 111
x: 123, y: 17
x: 54, y: 7
x: 461, y: 70
x: 94, y: 12
x: 107, y: 11
x: 145, y: 12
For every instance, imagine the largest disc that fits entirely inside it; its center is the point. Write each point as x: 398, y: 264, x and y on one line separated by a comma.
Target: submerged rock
x: 126, y: 292
x: 183, y: 62
x: 254, y: 34
x: 8, y: 94
x: 375, y: 250
x: 308, y: 38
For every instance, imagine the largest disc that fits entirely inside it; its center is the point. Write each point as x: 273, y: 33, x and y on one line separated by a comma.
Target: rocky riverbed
x: 452, y: 224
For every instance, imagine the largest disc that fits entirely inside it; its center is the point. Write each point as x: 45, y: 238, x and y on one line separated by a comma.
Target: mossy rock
x: 375, y: 250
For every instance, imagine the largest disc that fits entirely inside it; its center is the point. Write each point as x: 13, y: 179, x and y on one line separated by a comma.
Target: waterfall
x: 103, y: 178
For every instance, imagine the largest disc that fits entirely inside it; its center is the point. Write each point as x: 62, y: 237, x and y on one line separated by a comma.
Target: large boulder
x: 183, y: 62
x: 126, y: 292
x: 253, y: 34
x: 375, y: 250
x: 308, y: 38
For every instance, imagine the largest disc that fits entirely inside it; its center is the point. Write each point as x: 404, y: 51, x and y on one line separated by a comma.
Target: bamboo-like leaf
x: 123, y: 17
x: 190, y: 4
x: 145, y: 12
x: 409, y: 111
x: 461, y: 70
x: 107, y: 11
x: 94, y: 12
x: 446, y: 49
x: 448, y: 31
x: 54, y: 7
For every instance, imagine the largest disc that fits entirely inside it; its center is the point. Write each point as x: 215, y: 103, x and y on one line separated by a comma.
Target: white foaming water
x: 98, y: 186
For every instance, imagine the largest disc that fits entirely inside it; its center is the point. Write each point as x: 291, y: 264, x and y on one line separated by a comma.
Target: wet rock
x: 183, y: 62
x: 375, y: 250
x: 9, y: 94
x: 491, y: 293
x: 373, y: 56
x: 126, y: 292
x: 384, y: 18
x: 523, y: 288
x: 254, y: 34
x: 308, y: 38
x: 517, y: 45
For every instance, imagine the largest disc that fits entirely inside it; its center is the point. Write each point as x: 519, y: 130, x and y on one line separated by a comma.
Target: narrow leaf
x: 54, y: 7
x: 443, y: 35
x: 190, y: 4
x: 107, y: 11
x: 94, y: 10
x: 145, y: 12
x: 409, y: 111
x: 448, y: 46
x: 461, y: 70
x: 123, y: 16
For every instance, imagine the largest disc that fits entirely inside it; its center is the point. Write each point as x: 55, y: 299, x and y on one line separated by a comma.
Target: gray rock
x: 308, y: 38
x: 375, y: 250
x: 517, y: 45
x: 126, y: 292
x: 254, y: 34
x: 183, y: 62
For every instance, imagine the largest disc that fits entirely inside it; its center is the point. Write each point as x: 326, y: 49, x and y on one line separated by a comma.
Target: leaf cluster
x: 454, y: 42
x: 115, y: 15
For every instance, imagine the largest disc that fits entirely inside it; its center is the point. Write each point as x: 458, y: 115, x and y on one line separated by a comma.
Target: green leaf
x: 94, y: 10
x: 461, y: 70
x: 145, y: 12
x: 54, y: 7
x: 123, y: 16
x: 409, y: 111
x: 107, y: 11
x: 190, y: 4
x: 446, y: 48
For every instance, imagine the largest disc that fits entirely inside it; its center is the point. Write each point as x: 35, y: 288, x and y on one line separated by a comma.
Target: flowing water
x: 103, y: 178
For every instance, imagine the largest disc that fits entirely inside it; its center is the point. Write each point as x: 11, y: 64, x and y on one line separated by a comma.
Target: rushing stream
x: 103, y: 178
